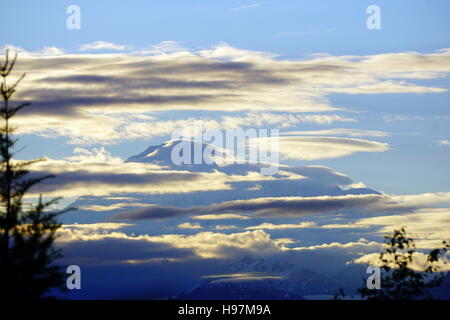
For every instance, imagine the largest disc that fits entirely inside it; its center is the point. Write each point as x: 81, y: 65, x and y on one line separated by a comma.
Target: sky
x: 290, y: 29
x: 367, y: 109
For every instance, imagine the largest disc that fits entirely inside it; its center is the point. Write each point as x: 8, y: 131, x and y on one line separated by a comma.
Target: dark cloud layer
x: 268, y: 207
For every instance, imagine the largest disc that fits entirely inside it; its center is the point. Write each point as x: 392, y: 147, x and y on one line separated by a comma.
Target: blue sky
x: 292, y: 29
x: 368, y: 108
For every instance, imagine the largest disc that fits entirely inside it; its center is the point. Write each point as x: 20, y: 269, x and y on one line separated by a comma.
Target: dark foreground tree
x: 399, y: 281
x: 27, y: 231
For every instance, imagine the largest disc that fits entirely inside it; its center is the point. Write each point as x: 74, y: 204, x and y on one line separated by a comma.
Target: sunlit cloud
x: 202, y: 244
x: 239, y: 277
x: 339, y: 132
x: 102, y: 45
x: 190, y: 226
x: 103, y: 95
x: 429, y: 226
x: 443, y: 142
x: 223, y: 216
x: 315, y: 148
x: 97, y: 173
x: 419, y: 261
x: 226, y: 227
x: 271, y: 226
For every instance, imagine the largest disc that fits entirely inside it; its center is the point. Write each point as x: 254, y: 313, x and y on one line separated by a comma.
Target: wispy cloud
x: 443, y: 142
x: 277, y: 207
x: 190, y: 226
x: 339, y: 131
x: 315, y: 148
x: 400, y: 117
x: 224, y: 216
x: 103, y: 45
x: 271, y: 226
x: 248, y: 6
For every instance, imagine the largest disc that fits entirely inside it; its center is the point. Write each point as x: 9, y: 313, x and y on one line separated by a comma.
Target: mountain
x: 247, y: 278
x: 442, y: 292
x: 291, y: 277
x: 162, y: 155
x: 305, y: 181
x: 263, y: 278
x: 233, y: 291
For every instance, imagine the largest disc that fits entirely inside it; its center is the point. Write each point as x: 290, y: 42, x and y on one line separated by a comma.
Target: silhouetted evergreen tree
x: 27, y: 232
x: 398, y: 280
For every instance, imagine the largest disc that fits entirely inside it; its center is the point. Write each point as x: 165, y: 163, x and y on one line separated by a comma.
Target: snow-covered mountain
x: 238, y: 291
x: 290, y: 181
x: 268, y: 278
x: 252, y: 277
x: 162, y: 155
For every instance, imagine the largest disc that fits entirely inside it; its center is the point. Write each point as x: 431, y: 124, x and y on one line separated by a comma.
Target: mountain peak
x: 162, y: 155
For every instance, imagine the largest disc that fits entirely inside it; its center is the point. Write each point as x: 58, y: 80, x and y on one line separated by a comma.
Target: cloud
x: 428, y: 226
x: 225, y: 227
x: 239, y: 277
x: 109, y: 129
x: 90, y: 245
x: 248, y: 6
x: 94, y: 156
x: 83, y: 182
x: 213, y: 245
x: 45, y: 51
x: 339, y: 131
x: 388, y: 87
x: 166, y: 265
x: 140, y: 248
x: 220, y: 217
x: 96, y: 176
x: 302, y: 225
x: 101, y: 95
x: 103, y: 45
x: 443, y: 142
x: 419, y: 261
x: 149, y: 129
x: 191, y: 226
x: 342, y: 226
x: 398, y: 117
x: 314, y: 148
x: 356, y: 245
x: 96, y: 173
x: 293, y: 206
x: 282, y: 120
x: 271, y: 226
x: 115, y: 206
x: 318, y: 256
x: 97, y: 227
x: 50, y: 51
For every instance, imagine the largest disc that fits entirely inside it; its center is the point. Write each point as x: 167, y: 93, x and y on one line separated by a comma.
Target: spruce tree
x: 27, y: 231
x: 399, y: 280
